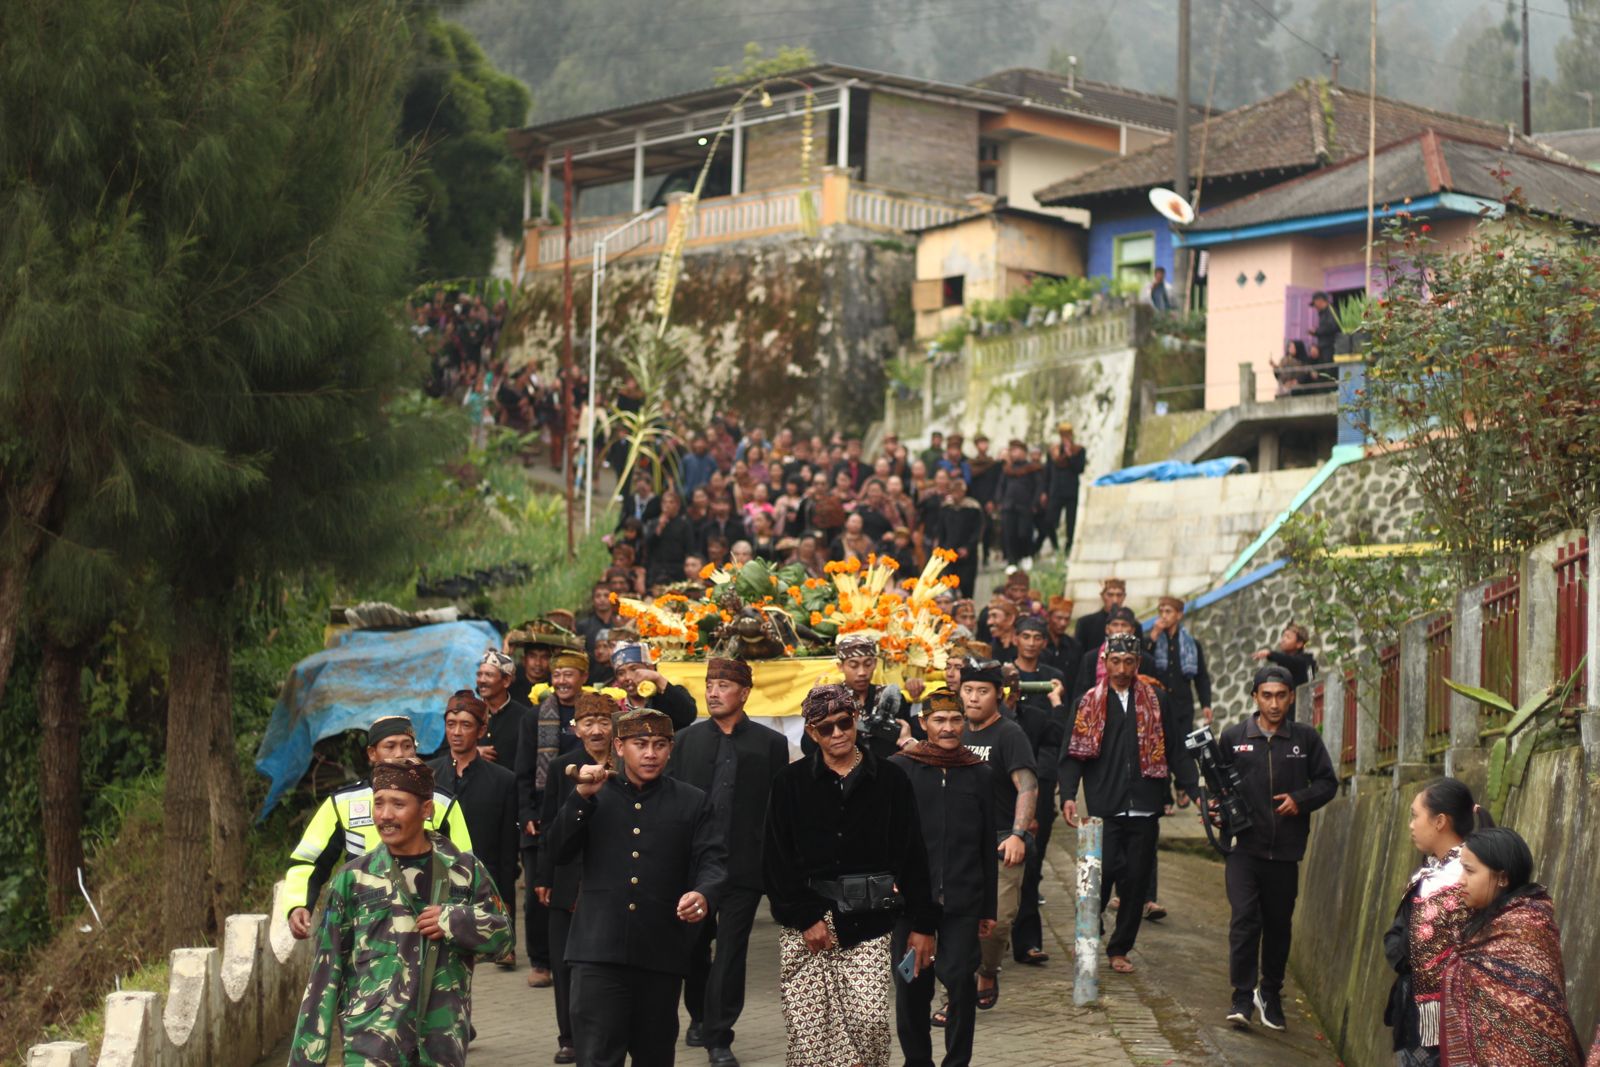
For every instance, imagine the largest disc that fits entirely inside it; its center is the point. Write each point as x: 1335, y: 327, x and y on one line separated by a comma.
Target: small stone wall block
x: 59, y: 1054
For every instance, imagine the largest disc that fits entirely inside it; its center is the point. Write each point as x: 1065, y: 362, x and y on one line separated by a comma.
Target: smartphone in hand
x: 907, y: 967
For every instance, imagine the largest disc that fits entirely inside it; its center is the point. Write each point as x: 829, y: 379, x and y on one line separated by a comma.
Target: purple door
x: 1298, y: 315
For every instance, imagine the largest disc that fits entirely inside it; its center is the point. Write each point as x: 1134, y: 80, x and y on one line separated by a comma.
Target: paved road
x: 1170, y: 1012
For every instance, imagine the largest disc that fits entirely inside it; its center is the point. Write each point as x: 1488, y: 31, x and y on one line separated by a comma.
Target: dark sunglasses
x: 826, y: 729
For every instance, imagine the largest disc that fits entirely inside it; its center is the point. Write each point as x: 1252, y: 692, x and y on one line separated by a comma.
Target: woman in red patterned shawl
x: 1428, y: 922
x: 1505, y: 990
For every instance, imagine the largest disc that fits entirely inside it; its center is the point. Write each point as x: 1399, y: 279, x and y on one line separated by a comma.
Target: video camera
x: 1222, y: 784
x: 882, y: 719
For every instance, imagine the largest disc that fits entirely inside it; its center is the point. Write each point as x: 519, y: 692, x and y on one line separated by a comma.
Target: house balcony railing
x: 837, y: 199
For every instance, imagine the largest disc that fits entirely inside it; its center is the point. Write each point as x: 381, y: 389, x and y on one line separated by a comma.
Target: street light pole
x: 596, y: 277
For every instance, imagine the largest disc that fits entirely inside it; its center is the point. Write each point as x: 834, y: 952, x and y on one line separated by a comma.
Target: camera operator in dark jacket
x: 1286, y: 775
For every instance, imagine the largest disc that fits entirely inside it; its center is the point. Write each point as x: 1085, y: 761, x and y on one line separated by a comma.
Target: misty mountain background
x: 578, y: 56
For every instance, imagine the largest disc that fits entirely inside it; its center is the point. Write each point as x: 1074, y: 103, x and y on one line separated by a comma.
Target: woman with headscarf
x: 843, y: 860
x: 1504, y: 995
x: 1428, y: 921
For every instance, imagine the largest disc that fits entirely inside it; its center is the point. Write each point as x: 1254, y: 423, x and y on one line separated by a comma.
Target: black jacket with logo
x: 1293, y: 761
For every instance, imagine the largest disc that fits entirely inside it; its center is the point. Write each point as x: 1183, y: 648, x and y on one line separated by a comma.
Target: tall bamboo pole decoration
x: 566, y: 345
x: 1086, y: 942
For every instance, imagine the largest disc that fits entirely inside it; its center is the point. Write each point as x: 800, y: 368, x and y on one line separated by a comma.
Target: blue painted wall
x: 1104, y: 228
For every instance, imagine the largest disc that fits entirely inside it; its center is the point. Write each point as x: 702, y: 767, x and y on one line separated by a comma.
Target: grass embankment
x: 56, y: 990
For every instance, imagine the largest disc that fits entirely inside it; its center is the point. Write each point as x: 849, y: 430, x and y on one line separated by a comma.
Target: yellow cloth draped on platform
x: 780, y: 684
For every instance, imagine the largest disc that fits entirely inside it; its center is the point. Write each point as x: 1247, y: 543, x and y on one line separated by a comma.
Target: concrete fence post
x: 1411, y: 759
x: 59, y: 1054
x: 1536, y: 619
x: 1333, y: 712
x: 1465, y: 755
x: 1366, y: 722
x: 1305, y: 705
x: 1590, y: 723
x: 1247, y: 383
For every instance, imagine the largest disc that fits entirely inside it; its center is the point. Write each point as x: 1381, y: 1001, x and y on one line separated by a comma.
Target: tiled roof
x: 1097, y: 99
x: 1582, y: 145
x: 1417, y: 167
x: 1307, y: 126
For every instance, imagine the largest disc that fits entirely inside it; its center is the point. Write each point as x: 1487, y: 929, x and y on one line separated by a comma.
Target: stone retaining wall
x: 224, y: 1007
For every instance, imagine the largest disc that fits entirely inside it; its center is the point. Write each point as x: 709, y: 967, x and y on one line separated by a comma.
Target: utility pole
x: 1372, y: 134
x: 1180, y: 143
x: 1527, y: 78
x: 566, y: 345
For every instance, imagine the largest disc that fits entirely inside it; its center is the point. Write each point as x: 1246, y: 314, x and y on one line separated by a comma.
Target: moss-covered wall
x: 789, y: 332
x: 1358, y: 861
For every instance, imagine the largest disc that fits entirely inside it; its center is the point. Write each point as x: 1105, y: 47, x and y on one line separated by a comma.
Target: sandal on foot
x: 1121, y: 965
x: 1034, y: 957
x: 1154, y: 911
x: 940, y: 1017
x: 988, y: 998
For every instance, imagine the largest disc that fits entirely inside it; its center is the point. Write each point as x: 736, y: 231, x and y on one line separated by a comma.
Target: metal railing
x: 1497, y: 664
x: 1572, y: 615
x: 1388, y: 748
x: 1441, y: 644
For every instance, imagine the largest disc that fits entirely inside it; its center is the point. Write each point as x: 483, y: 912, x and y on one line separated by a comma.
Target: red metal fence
x: 1502, y: 605
x: 1572, y: 614
x: 1388, y: 706
x: 1440, y: 639
x: 1347, y: 747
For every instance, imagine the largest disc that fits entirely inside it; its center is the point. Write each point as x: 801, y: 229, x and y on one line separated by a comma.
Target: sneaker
x: 1270, y: 1004
x: 1239, y: 1014
x: 694, y: 1037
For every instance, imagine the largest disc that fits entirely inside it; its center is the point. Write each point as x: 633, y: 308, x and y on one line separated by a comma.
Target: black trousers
x: 624, y: 1013
x: 1129, y: 852
x: 561, y: 971
x: 1016, y: 531
x: 535, y: 916
x: 1028, y: 931
x: 966, y: 570
x: 955, y: 963
x: 1261, y: 894
x: 1060, y: 506
x: 714, y: 990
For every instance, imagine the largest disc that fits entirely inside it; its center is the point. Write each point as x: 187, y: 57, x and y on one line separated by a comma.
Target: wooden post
x: 1086, y: 944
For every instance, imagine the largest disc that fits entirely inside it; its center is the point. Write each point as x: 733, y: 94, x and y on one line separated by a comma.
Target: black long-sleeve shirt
x: 758, y: 754
x: 667, y: 546
x: 1021, y: 486
x: 822, y: 826
x: 1186, y: 693
x: 1114, y: 782
x: 1065, y: 472
x: 956, y: 808
x: 642, y: 849
x: 561, y: 879
x: 487, y: 796
x: 960, y: 525
x: 1300, y: 665
x: 1294, y: 761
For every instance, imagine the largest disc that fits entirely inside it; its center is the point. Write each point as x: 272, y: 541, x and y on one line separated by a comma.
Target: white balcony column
x: 738, y: 152
x: 842, y: 159
x: 638, y: 171
x: 544, y: 192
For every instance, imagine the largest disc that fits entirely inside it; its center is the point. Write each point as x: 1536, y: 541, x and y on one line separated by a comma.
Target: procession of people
x: 632, y: 823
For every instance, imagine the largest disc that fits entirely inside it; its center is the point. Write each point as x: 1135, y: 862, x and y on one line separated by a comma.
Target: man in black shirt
x: 668, y: 538
x: 961, y: 531
x: 955, y: 802
x: 1063, y: 471
x: 496, y: 672
x: 1180, y: 665
x: 635, y: 669
x: 1027, y: 933
x: 1061, y: 649
x: 602, y: 615
x: 1287, y: 775
x: 1091, y: 631
x: 486, y: 794
x: 556, y: 885
x: 1000, y: 743
x: 1121, y: 741
x: 734, y: 761
x: 653, y: 865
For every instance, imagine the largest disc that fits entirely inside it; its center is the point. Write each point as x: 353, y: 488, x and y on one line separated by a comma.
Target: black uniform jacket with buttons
x: 956, y: 806
x: 642, y: 850
x: 820, y: 828
x: 1294, y: 761
x: 760, y: 752
x: 560, y: 878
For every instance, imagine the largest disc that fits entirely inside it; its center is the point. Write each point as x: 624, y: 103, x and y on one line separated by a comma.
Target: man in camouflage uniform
x: 392, y: 962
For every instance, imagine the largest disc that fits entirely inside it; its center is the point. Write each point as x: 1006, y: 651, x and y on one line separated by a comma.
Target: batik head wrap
x: 856, y: 648
x: 643, y: 722
x: 466, y: 700
x: 499, y: 661
x: 389, y: 726
x: 736, y: 671
x: 567, y: 657
x: 826, y: 701
x: 590, y: 704
x: 408, y: 776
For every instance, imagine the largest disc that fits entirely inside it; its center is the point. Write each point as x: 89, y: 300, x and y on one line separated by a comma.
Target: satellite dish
x: 1173, y: 207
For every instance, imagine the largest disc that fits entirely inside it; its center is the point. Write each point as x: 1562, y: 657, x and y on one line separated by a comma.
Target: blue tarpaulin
x: 1171, y: 471
x: 368, y: 674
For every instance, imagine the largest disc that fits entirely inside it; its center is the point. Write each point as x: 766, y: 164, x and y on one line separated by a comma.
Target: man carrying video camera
x: 1283, y: 774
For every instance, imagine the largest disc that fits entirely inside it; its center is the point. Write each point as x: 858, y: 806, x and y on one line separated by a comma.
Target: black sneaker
x: 1270, y: 1004
x: 695, y: 1038
x: 1239, y: 1014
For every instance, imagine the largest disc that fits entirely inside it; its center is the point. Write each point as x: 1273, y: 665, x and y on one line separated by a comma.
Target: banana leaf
x: 1482, y: 696
x: 756, y: 581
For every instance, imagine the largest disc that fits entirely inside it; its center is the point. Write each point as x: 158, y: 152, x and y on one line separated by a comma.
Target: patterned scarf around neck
x: 1438, y: 913
x: 549, y: 740
x: 931, y: 754
x: 1188, y: 654
x: 1090, y: 728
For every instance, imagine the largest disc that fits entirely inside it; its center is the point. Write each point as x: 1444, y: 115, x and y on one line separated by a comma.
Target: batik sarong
x: 837, y: 1003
